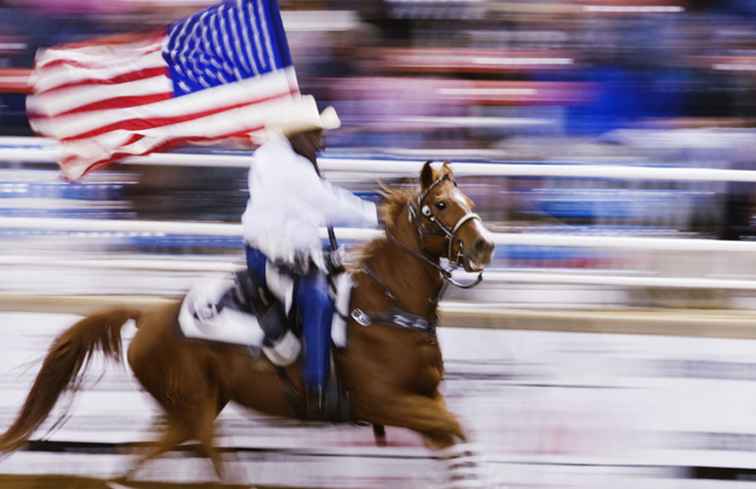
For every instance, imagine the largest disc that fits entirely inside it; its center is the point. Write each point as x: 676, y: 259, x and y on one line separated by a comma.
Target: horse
x: 391, y: 367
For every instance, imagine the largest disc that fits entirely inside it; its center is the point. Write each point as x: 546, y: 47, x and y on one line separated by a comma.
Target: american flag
x: 220, y: 73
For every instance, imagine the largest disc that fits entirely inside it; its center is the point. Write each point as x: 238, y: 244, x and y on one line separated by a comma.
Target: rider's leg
x: 256, y: 262
x: 268, y: 276
x: 281, y: 345
x: 316, y: 310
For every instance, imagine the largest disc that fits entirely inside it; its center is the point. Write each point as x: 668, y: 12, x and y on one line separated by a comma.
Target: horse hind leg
x: 171, y: 373
x: 189, y: 411
x: 379, y: 434
x: 194, y: 424
x: 171, y: 437
x: 205, y: 435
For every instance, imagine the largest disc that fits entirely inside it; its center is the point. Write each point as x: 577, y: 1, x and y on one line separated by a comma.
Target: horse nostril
x: 483, y: 247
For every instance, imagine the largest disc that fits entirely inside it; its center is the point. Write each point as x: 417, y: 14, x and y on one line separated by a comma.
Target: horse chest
x: 387, y: 355
x: 431, y: 366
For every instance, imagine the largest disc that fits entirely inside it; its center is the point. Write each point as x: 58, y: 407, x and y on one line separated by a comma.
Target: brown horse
x: 391, y: 367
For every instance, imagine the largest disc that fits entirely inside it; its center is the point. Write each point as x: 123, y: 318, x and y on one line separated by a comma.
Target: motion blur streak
x: 550, y: 395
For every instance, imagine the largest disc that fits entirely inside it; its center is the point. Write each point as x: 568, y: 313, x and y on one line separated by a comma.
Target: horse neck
x: 415, y: 282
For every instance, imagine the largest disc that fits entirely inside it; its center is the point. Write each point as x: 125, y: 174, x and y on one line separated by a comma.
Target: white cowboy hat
x: 300, y: 115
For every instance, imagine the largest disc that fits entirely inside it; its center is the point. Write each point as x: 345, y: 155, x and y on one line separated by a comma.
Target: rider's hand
x: 335, y: 260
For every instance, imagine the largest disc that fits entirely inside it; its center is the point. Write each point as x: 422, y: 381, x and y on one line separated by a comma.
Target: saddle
x: 236, y: 310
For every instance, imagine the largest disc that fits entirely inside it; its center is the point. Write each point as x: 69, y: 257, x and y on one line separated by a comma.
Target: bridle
x: 448, y: 232
x: 399, y: 316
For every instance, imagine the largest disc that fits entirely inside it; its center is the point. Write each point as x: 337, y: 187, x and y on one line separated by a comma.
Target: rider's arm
x: 288, y: 175
x: 343, y: 207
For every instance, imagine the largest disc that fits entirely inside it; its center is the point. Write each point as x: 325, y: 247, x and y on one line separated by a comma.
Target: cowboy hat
x: 300, y: 115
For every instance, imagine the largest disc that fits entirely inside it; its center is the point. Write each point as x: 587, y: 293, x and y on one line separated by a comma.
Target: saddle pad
x: 229, y: 326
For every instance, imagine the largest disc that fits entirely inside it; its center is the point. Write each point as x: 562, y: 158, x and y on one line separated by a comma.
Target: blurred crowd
x: 469, y: 73
x: 579, y: 81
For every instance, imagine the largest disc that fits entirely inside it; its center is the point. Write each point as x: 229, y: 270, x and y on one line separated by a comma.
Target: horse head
x: 446, y: 225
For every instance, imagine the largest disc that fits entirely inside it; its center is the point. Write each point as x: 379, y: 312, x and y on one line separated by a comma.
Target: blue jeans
x: 315, y: 308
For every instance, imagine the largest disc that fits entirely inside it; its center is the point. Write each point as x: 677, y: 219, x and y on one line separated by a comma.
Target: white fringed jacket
x: 288, y: 204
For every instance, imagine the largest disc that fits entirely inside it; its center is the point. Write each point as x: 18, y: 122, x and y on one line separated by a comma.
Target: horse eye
x: 441, y: 205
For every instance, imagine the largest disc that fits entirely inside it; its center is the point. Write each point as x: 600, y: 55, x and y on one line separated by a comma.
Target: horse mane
x: 394, y: 202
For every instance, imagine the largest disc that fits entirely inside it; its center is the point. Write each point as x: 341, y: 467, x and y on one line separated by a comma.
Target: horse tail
x: 63, y: 366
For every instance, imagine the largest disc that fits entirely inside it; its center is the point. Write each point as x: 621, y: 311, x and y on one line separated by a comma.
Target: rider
x: 288, y: 204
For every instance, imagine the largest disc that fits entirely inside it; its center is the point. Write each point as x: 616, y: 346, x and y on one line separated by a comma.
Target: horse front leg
x: 463, y: 463
x: 441, y: 432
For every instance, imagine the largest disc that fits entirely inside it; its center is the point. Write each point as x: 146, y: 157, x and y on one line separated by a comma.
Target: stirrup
x: 285, y: 351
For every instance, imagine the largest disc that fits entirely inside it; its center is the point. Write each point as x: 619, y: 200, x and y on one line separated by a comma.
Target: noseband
x: 449, y: 232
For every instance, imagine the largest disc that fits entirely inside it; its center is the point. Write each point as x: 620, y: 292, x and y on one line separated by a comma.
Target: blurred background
x: 611, y: 83
x: 587, y: 86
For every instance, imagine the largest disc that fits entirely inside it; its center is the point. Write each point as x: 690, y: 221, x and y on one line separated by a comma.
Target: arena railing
x: 350, y: 234
x: 35, y: 150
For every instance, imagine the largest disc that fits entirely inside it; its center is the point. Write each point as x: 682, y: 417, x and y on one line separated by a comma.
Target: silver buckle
x: 360, y: 317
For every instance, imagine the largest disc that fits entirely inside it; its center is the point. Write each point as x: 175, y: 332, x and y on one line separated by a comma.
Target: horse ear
x: 426, y: 175
x: 447, y: 170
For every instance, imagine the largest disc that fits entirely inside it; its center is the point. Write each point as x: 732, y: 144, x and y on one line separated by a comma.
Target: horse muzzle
x: 479, y: 255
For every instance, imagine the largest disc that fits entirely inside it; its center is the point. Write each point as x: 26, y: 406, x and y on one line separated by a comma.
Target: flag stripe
x: 245, y: 91
x: 128, y: 70
x: 138, y: 79
x: 93, y: 62
x: 135, y: 40
x: 120, y: 103
x: 216, y: 125
x: 76, y: 167
x: 224, y: 71
x: 210, y: 128
x: 61, y: 101
x: 213, y: 126
x: 142, y: 123
x: 98, y: 56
